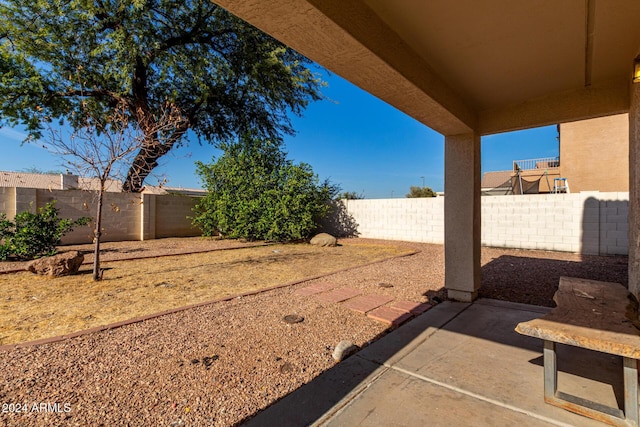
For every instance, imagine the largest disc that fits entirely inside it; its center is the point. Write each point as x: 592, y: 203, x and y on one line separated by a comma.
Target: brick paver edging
x: 257, y: 245
x: 59, y: 338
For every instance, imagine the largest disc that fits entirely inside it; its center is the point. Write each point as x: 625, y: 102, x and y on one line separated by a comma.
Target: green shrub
x: 254, y: 192
x: 32, y: 235
x: 421, y: 192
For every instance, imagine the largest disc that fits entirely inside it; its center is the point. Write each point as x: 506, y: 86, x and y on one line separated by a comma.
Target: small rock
x: 58, y: 265
x: 343, y: 350
x: 385, y: 285
x: 285, y: 367
x: 324, y: 239
x: 293, y: 318
x: 164, y: 285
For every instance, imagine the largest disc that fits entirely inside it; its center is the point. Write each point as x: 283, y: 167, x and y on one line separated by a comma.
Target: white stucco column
x: 634, y: 191
x: 462, y: 216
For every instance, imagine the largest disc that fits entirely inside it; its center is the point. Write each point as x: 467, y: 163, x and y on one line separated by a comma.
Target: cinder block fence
x: 586, y: 222
x: 126, y: 216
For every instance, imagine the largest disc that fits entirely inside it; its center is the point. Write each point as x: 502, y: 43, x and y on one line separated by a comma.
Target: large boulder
x: 58, y: 265
x: 324, y: 239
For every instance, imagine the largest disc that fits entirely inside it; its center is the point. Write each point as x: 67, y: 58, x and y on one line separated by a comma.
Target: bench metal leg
x: 630, y: 370
x: 550, y: 370
x: 597, y: 411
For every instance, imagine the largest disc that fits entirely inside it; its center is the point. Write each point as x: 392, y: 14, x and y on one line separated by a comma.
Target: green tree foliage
x: 421, y: 192
x: 31, y: 235
x: 225, y: 77
x: 36, y: 170
x: 254, y: 192
x: 350, y: 195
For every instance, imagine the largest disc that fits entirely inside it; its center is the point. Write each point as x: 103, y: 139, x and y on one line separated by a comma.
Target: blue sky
x: 356, y: 140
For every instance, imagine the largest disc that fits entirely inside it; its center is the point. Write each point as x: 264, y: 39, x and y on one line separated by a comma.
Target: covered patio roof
x: 469, y: 68
x: 492, y: 66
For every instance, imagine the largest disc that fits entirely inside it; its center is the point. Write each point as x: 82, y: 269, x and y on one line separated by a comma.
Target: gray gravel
x: 219, y: 364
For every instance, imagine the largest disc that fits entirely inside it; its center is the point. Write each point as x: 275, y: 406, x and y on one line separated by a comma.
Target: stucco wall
x: 588, y: 222
x: 594, y: 154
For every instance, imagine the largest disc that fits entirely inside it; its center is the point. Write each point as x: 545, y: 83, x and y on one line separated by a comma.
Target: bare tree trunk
x: 96, y: 235
x: 145, y: 161
x: 147, y: 158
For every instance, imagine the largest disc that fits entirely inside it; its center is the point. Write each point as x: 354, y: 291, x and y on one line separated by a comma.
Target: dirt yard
x: 35, y: 307
x: 219, y: 364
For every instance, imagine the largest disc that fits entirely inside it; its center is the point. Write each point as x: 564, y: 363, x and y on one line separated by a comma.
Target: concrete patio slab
x: 479, y: 352
x: 456, y: 364
x: 398, y: 399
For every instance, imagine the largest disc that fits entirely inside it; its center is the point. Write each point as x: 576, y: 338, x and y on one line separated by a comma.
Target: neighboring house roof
x: 496, y: 179
x: 46, y: 181
x: 29, y: 180
x: 69, y: 181
x: 152, y: 189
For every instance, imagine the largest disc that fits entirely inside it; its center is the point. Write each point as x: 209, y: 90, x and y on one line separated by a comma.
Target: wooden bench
x: 599, y: 316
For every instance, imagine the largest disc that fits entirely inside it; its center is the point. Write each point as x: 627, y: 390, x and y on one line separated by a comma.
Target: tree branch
x: 91, y: 93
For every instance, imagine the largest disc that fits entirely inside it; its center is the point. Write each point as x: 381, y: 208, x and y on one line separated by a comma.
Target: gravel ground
x: 219, y: 364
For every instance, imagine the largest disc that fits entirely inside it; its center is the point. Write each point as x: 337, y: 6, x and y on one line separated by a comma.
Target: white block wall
x: 587, y: 222
x: 415, y: 220
x: 614, y: 224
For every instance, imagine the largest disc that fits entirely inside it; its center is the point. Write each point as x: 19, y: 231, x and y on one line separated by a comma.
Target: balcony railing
x: 542, y: 163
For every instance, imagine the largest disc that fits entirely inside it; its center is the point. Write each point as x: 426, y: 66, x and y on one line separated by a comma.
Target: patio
x: 456, y: 364
x: 466, y: 71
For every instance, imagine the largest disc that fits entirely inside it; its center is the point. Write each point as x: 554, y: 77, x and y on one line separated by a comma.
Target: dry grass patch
x: 34, y: 307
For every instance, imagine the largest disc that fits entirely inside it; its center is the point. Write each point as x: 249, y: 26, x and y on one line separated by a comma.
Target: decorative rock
x: 324, y: 239
x: 293, y: 318
x: 58, y: 265
x: 343, y: 350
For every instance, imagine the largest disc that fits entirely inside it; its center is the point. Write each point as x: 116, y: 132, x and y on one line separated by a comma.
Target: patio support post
x: 634, y: 190
x: 462, y: 216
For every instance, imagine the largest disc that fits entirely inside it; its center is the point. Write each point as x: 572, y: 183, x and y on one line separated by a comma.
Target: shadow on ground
x: 535, y: 280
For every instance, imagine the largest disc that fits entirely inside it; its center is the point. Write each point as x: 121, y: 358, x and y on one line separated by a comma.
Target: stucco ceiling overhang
x: 457, y: 66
